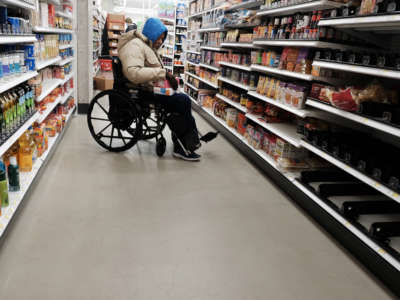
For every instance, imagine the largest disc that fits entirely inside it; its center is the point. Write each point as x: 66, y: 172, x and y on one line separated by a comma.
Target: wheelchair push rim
x: 154, y: 123
x: 114, y: 121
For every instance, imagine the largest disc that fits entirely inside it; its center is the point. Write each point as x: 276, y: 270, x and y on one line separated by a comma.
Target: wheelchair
x: 120, y: 117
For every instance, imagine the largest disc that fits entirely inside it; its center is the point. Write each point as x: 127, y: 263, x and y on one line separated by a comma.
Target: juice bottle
x: 1, y: 119
x: 3, y: 189
x: 25, y: 153
x: 13, y: 175
x: 14, y: 109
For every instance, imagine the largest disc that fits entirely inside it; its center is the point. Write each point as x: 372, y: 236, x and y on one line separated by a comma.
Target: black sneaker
x: 191, y: 156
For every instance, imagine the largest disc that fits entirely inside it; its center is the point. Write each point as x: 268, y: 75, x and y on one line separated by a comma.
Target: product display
x: 283, y: 77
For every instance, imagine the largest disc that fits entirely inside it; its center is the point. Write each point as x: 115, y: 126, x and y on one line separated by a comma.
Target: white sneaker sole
x: 177, y: 155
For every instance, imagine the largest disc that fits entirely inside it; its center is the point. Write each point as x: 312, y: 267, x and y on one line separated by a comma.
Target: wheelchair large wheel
x: 153, y: 124
x: 114, y: 121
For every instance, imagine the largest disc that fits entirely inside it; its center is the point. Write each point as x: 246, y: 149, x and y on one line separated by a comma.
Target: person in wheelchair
x: 142, y: 66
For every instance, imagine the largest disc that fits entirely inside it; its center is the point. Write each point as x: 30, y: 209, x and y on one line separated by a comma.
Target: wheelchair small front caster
x: 161, y: 146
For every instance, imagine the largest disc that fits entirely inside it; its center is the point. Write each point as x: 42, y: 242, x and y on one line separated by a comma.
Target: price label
x: 395, y: 195
x: 377, y: 185
x: 365, y: 120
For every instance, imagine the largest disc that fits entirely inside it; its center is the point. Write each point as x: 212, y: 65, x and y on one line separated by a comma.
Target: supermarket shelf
x: 361, y: 235
x: 168, y: 20
x: 241, y: 26
x: 64, y: 15
x: 191, y: 63
x: 354, y: 117
x: 232, y: 103
x: 370, y: 23
x: 97, y: 49
x: 18, y: 3
x: 235, y: 83
x: 298, y: 112
x: 12, y: 139
x: 203, y: 80
x: 266, y: 158
x: 213, y: 48
x: 96, y: 29
x: 178, y: 44
x: 288, y: 132
x: 194, y: 52
x: 10, y: 82
x: 48, y: 62
x: 62, y: 47
x: 179, y: 66
x: 305, y: 43
x: 358, y: 69
x: 270, y: 70
x: 48, y: 87
x: 66, y: 61
x: 66, y: 96
x: 39, y: 29
x: 371, y: 182
x: 169, y: 67
x: 193, y: 100
x: 49, y: 109
x: 241, y: 67
x: 239, y: 45
x: 168, y: 56
x: 27, y: 179
x: 67, y: 78
x: 213, y: 29
x: 209, y: 67
x: 169, y: 46
x: 245, y: 5
x: 304, y: 7
x: 15, y: 39
x: 191, y: 86
x: 181, y: 34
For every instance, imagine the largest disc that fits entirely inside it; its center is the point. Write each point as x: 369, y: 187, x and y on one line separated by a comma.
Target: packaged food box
x: 115, y: 26
x: 116, y: 18
x: 163, y: 87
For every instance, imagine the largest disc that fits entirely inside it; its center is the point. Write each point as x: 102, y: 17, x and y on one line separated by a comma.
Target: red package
x: 344, y: 100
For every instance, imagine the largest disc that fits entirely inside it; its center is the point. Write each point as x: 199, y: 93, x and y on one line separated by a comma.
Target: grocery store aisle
x: 131, y: 226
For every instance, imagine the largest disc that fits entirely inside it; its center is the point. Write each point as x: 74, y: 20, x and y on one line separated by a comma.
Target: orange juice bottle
x: 25, y: 153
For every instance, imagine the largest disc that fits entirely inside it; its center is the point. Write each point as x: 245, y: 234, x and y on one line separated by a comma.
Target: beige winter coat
x: 141, y: 64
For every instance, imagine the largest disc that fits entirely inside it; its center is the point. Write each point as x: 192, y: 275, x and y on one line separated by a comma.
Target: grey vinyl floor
x: 131, y: 226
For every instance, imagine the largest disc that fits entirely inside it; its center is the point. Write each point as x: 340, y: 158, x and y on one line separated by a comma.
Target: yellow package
x: 260, y: 84
x: 265, y: 86
x: 271, y: 86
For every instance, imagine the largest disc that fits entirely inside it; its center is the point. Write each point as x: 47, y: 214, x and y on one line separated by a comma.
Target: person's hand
x: 172, y: 81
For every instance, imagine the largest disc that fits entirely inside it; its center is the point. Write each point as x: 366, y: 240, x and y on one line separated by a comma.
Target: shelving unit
x: 16, y: 39
x: 358, y: 69
x: 27, y: 179
x: 209, y: 67
x: 376, y: 255
x: 235, y: 66
x: 214, y: 85
x: 235, y: 83
x: 9, y: 83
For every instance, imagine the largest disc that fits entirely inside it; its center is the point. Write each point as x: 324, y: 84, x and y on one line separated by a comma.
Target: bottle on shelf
x: 25, y: 152
x: 3, y: 189
x: 13, y: 175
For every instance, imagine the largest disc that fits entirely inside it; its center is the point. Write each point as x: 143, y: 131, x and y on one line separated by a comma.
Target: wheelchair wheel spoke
x: 102, y: 108
x: 104, y: 129
x: 100, y: 119
x: 112, y: 136
x: 121, y: 136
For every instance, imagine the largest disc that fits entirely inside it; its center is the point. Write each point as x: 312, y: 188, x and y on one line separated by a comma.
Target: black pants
x: 181, y: 104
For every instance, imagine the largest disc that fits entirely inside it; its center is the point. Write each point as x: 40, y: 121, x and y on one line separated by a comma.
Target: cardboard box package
x: 115, y: 26
x: 116, y: 18
x: 112, y: 35
x: 104, y: 81
x: 114, y: 52
x: 113, y: 44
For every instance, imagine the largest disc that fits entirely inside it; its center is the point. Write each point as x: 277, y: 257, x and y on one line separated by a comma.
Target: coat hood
x: 153, y: 28
x: 126, y: 37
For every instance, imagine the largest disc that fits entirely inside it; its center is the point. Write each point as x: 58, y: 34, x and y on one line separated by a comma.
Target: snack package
x: 163, y: 87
